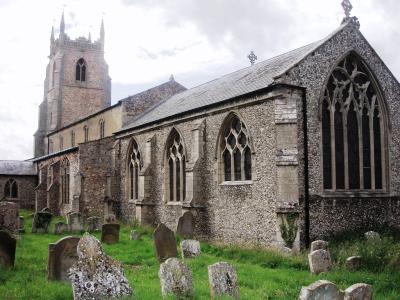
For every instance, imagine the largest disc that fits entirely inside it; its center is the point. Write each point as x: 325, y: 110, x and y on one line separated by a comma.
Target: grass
x: 262, y: 274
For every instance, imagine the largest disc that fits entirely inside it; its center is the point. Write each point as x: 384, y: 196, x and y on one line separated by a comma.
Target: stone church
x: 304, y: 145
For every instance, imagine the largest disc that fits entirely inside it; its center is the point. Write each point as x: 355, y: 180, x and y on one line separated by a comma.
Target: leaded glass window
x: 11, y: 189
x: 80, y: 72
x: 352, y: 130
x: 134, y: 166
x: 235, y: 151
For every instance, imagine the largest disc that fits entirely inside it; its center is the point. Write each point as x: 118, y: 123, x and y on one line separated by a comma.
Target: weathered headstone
x: 319, y: 261
x: 94, y: 224
x: 318, y: 244
x: 358, y: 291
x: 186, y: 225
x: 111, y: 218
x: 176, y: 279
x: 353, y: 263
x: 62, y: 255
x: 110, y: 233
x: 134, y: 235
x: 41, y: 222
x: 165, y: 243
x: 75, y: 222
x: 9, y: 216
x: 60, y: 228
x: 21, y: 224
x: 96, y: 275
x: 321, y: 289
x: 372, y: 236
x: 190, y: 248
x: 46, y: 209
x: 222, y: 278
x: 7, y: 249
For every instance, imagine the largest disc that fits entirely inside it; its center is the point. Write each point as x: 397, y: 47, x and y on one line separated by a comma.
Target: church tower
x: 77, y: 83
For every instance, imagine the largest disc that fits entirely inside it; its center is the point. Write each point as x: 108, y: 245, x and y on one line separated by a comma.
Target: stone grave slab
x: 319, y: 261
x: 9, y: 216
x: 60, y: 228
x: 165, y: 243
x: 41, y: 222
x: 62, y: 255
x: 21, y: 224
x: 93, y: 224
x: 318, y: 244
x: 7, y: 249
x: 75, y: 222
x: 353, y: 263
x: 176, y: 279
x: 186, y: 225
x: 110, y: 233
x: 319, y: 290
x: 190, y: 248
x: 134, y: 235
x: 358, y: 291
x: 222, y: 279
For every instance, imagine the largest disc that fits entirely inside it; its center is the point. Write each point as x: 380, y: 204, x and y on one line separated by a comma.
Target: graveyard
x: 261, y: 274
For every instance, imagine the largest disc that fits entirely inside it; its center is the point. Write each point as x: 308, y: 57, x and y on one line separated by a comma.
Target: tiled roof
x: 247, y: 80
x: 17, y: 167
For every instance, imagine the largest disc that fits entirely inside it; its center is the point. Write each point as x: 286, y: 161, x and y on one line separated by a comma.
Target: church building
x: 302, y: 146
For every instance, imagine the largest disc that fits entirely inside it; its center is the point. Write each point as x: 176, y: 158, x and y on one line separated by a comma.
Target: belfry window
x: 235, y: 151
x: 353, y: 128
x: 80, y: 73
x: 64, y: 177
x: 134, y: 165
x: 11, y: 189
x: 175, y: 167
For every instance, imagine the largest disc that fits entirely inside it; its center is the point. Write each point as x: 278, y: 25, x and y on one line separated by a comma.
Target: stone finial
x: 171, y: 78
x: 62, y: 24
x: 347, y: 7
x: 52, y: 34
x: 252, y: 57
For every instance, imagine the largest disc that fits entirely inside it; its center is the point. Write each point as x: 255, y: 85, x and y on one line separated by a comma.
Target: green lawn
x: 262, y: 274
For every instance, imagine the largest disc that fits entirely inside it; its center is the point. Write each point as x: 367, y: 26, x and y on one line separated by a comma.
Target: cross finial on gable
x: 252, y: 57
x: 347, y: 7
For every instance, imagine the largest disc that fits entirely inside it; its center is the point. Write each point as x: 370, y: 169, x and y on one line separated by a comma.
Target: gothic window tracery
x: 65, y: 180
x: 175, y: 166
x: 235, y: 150
x: 80, y: 72
x: 134, y: 166
x: 352, y: 130
x: 11, y: 189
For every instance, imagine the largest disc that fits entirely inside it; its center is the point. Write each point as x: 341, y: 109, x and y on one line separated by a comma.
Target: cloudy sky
x: 147, y: 40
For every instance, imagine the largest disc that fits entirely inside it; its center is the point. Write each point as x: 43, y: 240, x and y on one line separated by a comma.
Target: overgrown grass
x: 262, y: 274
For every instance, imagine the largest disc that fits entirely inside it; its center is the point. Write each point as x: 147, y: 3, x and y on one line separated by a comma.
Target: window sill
x: 174, y: 203
x: 354, y: 194
x: 245, y: 182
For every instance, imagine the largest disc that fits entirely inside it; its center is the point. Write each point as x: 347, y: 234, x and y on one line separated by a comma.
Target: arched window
x: 11, y: 189
x: 175, y: 165
x: 102, y: 128
x: 64, y: 178
x: 235, y: 150
x: 72, y: 138
x: 353, y: 129
x: 86, y: 133
x: 80, y: 73
x: 134, y: 165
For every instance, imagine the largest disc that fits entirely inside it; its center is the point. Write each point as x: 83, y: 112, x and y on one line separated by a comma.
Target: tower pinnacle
x: 52, y: 34
x: 62, y: 24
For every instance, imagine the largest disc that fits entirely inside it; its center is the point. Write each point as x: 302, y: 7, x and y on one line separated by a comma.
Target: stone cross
x: 347, y: 7
x: 252, y: 57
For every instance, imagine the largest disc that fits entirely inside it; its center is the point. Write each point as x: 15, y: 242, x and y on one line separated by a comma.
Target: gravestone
x: 60, y: 228
x: 318, y: 244
x: 134, y: 235
x: 9, y: 217
x: 21, y: 224
x: 176, y: 279
x: 222, y: 279
x: 190, y: 248
x: 41, y: 221
x: 46, y: 209
x: 372, y: 236
x: 7, y: 249
x: 62, y: 255
x: 110, y: 233
x: 94, y: 224
x: 321, y: 289
x: 165, y: 243
x: 75, y: 222
x: 319, y: 261
x: 358, y: 291
x: 186, y: 225
x: 111, y: 218
x: 353, y: 263
x: 96, y: 275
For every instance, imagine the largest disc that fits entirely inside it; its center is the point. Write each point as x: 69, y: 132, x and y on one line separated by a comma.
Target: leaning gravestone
x: 175, y: 279
x: 41, y: 221
x: 319, y: 244
x: 223, y: 280
x: 190, y: 248
x: 9, y: 217
x: 165, y: 243
x: 321, y: 289
x: 21, y: 224
x: 319, y: 261
x: 353, y: 263
x: 7, y: 249
x: 358, y: 291
x: 94, y: 224
x: 96, y: 275
x: 62, y: 255
x: 186, y: 225
x: 60, y: 228
x: 110, y: 233
x: 75, y: 223
x: 372, y: 236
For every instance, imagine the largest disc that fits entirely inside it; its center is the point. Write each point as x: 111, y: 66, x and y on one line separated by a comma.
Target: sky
x: 148, y: 40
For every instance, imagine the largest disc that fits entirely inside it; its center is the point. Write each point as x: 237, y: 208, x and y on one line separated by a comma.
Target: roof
x: 241, y: 82
x: 72, y: 149
x: 17, y: 167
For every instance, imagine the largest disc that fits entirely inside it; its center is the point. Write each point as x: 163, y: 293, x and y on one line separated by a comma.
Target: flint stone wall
x: 26, y: 190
